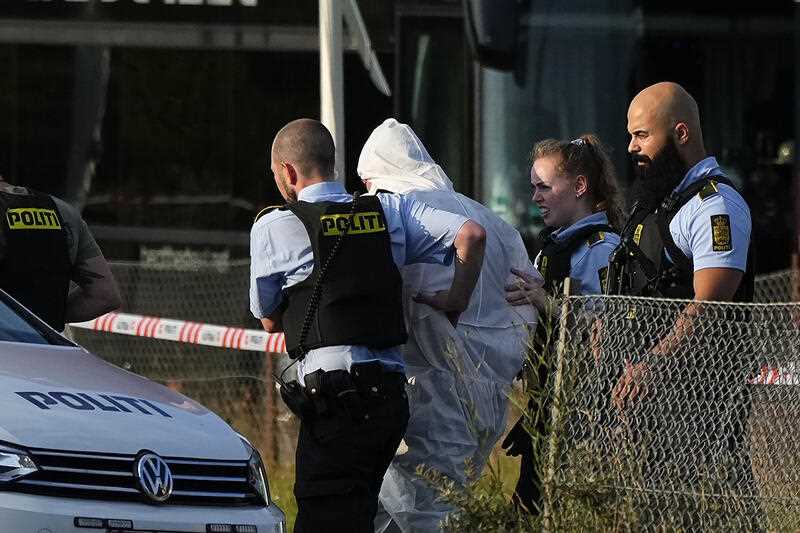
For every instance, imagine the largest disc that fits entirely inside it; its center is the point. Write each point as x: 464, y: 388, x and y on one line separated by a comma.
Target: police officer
x: 325, y: 271
x: 45, y: 245
x: 687, y: 237
x: 687, y: 217
x: 575, y: 186
x: 692, y: 226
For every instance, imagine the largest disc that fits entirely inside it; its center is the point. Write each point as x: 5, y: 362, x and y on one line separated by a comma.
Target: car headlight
x: 257, y: 474
x: 15, y: 463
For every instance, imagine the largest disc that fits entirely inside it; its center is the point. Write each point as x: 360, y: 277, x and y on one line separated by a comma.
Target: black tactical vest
x: 556, y: 256
x: 361, y: 298
x: 35, y: 267
x: 675, y: 276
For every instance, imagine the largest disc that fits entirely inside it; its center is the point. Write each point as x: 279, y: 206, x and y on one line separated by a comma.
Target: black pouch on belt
x: 296, y: 400
x: 315, y: 389
x: 368, y: 378
x: 339, y: 385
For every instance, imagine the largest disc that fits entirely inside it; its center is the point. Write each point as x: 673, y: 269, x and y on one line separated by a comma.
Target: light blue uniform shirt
x: 589, y: 260
x: 691, y: 228
x: 281, y: 256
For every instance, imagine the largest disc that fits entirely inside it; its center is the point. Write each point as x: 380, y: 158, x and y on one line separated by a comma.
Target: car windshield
x: 16, y: 326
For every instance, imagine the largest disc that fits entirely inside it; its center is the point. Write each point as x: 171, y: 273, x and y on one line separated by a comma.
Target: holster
x: 296, y: 400
x: 332, y: 401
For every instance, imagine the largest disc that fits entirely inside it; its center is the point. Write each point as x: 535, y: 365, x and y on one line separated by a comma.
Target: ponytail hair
x: 587, y: 156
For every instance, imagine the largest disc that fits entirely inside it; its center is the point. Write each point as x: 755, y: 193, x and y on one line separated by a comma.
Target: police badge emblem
x: 721, y: 233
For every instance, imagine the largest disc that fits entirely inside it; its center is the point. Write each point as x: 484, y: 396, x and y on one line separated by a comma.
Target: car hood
x: 65, y: 398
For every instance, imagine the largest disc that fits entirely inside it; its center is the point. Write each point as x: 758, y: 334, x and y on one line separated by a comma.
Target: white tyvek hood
x: 395, y: 160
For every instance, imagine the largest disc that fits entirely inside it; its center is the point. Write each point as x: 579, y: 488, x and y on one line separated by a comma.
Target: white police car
x: 86, y: 447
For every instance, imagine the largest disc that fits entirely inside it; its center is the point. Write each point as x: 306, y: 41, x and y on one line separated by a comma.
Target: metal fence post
x: 556, y: 411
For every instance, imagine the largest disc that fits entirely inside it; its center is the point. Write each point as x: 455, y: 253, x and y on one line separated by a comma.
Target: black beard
x: 656, y: 180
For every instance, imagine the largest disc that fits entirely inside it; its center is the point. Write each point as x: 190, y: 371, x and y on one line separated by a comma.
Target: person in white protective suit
x: 459, y: 378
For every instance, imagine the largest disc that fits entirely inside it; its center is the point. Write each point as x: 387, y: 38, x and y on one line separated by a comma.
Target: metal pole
x: 270, y: 427
x: 796, y: 168
x: 556, y: 411
x: 330, y: 77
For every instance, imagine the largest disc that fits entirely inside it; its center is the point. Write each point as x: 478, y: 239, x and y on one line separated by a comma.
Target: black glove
x: 518, y: 441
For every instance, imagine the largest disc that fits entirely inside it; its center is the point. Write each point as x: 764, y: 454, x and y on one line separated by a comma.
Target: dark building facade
x: 155, y: 115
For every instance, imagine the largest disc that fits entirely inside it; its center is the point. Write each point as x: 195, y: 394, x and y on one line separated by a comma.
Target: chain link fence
x: 672, y: 415
x: 783, y: 286
x: 704, y: 439
x: 236, y: 384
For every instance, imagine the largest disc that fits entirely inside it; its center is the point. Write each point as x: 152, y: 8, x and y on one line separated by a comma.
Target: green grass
x: 281, y: 483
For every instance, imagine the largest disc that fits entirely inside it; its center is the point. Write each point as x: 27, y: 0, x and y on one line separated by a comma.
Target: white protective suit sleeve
x: 459, y: 378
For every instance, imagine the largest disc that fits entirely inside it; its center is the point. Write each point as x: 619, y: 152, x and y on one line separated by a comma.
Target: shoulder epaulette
x: 594, y: 238
x: 710, y: 189
x: 266, y: 210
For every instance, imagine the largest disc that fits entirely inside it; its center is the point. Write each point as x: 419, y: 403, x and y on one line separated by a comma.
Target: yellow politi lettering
x: 328, y: 224
x: 32, y: 218
x: 359, y: 223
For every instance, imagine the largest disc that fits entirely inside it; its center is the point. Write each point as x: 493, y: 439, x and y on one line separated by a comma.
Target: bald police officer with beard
x: 684, y: 204
x: 685, y: 398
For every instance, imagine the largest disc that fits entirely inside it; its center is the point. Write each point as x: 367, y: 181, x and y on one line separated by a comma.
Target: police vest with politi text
x: 361, y: 298
x: 35, y: 267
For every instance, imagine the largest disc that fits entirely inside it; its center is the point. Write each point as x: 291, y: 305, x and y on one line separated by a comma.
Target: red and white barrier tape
x: 261, y: 341
x: 788, y: 375
x: 189, y: 332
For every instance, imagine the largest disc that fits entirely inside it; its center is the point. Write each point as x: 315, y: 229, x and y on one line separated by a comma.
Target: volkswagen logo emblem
x: 154, y: 477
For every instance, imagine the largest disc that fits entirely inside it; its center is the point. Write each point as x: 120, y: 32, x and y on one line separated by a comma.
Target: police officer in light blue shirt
x: 324, y: 271
x: 574, y: 185
x: 688, y: 219
x: 417, y: 232
x: 690, y: 233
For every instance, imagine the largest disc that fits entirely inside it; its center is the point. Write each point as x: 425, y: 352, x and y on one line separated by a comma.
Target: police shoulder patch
x: 721, y: 233
x: 596, y: 237
x: 710, y: 189
x: 268, y: 209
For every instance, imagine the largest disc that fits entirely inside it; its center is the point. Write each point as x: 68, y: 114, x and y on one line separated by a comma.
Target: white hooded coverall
x: 459, y: 378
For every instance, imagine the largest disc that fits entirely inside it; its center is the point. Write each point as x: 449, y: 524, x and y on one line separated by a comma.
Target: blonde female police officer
x: 574, y: 184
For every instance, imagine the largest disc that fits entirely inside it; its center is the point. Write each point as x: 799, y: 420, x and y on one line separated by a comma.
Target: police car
x: 88, y: 447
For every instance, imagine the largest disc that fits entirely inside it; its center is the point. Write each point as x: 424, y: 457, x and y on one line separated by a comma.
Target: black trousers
x: 343, y: 454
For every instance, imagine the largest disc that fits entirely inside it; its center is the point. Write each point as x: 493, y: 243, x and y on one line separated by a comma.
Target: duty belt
x: 363, y: 393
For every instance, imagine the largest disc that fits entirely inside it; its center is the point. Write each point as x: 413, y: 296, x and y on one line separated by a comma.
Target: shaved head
x: 668, y: 104
x: 308, y: 146
x: 664, y: 125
